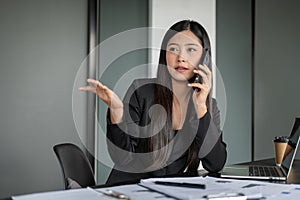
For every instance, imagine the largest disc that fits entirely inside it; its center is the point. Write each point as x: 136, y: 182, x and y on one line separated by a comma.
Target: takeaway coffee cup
x: 280, y: 145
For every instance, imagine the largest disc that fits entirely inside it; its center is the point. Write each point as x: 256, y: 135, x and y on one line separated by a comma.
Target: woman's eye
x: 191, y: 50
x: 173, y: 49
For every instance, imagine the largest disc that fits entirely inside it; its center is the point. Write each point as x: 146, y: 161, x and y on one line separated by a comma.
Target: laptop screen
x: 291, y: 148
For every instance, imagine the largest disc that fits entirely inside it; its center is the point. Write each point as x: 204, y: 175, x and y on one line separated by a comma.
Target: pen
x: 188, y: 185
x: 112, y: 193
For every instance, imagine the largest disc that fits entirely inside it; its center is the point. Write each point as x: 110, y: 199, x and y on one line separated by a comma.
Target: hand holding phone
x: 204, y: 61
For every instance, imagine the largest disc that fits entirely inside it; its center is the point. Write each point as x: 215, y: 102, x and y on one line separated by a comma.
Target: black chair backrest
x: 74, y: 165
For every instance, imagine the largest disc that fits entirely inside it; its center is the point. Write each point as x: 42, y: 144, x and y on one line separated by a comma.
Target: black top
x: 128, y: 139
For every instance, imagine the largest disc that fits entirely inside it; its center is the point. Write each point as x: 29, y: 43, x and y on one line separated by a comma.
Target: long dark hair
x: 164, y: 96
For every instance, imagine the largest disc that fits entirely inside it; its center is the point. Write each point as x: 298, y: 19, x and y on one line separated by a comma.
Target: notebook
x: 268, y: 172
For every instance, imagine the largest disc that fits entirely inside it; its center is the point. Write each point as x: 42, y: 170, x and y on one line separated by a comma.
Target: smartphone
x: 204, y: 61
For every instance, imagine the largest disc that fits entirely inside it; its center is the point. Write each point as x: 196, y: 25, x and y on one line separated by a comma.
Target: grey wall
x: 233, y: 45
x: 42, y: 45
x: 276, y: 73
x: 116, y: 17
x: 277, y: 97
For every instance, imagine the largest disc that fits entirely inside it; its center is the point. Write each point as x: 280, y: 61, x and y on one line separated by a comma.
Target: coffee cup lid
x: 281, y: 139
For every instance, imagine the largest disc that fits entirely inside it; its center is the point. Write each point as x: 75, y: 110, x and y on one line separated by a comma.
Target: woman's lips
x: 181, y: 69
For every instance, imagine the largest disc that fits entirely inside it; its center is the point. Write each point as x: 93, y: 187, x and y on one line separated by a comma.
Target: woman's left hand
x: 202, y: 90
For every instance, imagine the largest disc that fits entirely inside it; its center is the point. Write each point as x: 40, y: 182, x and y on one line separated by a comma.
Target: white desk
x: 151, y: 191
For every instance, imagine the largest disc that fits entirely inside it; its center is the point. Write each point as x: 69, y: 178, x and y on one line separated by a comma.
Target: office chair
x: 76, y: 169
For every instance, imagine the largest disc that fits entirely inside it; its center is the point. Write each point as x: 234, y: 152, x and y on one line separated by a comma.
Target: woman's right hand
x: 107, y: 96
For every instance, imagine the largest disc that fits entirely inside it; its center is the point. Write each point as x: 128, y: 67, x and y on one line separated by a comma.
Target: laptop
x: 278, y: 173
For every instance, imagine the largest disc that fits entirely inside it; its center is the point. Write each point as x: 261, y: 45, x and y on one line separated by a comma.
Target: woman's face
x: 184, y: 51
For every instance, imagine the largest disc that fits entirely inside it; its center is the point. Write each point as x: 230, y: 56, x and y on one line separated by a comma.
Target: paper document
x: 219, y: 187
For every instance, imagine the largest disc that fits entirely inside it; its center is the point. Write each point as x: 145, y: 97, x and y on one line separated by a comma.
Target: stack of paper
x: 224, y: 187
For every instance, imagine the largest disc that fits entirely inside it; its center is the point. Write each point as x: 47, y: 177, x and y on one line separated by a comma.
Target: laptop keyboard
x: 262, y: 171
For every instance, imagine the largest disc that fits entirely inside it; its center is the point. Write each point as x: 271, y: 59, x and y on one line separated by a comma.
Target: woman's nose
x: 181, y: 58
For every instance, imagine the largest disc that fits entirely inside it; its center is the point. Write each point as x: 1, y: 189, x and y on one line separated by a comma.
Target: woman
x: 166, y: 125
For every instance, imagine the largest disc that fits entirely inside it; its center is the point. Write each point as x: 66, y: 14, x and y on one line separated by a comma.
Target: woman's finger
x: 93, y: 82
x: 205, y: 69
x: 88, y: 88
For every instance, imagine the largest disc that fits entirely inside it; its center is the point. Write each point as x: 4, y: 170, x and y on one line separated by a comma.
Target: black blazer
x: 127, y: 140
